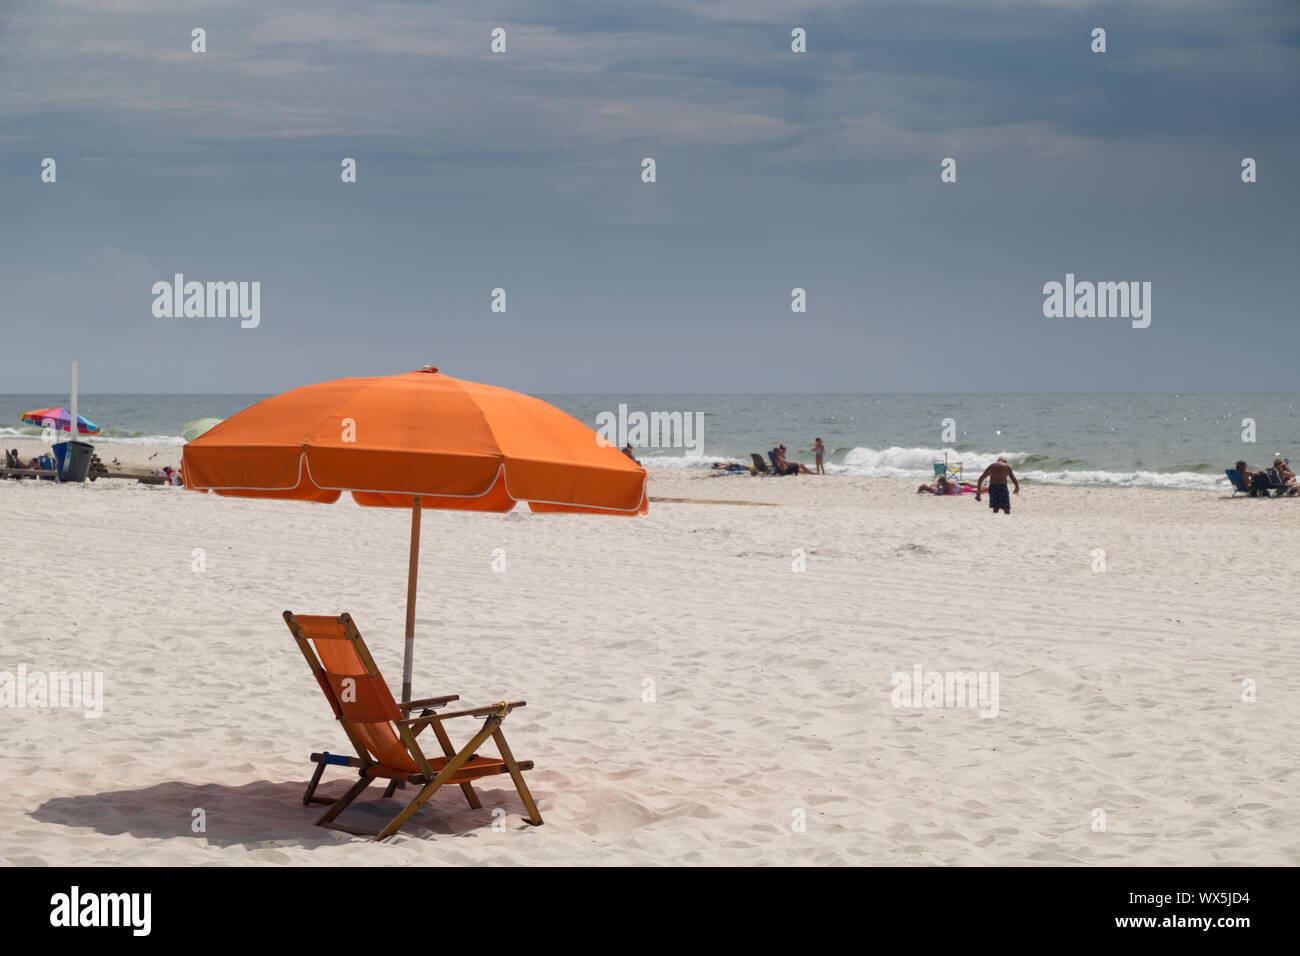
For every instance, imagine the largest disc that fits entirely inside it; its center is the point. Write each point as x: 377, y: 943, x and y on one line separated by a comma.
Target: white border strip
x: 499, y: 476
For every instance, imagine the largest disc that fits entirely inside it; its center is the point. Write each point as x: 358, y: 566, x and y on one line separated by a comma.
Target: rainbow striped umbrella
x: 58, y: 419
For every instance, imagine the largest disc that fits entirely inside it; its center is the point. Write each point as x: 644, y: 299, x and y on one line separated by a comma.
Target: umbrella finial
x: 428, y: 368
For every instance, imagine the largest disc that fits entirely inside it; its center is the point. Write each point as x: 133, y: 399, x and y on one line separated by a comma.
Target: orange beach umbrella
x: 418, y: 440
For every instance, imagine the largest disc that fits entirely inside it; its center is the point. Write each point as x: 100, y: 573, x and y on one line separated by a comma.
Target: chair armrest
x: 427, y: 702
x: 339, y: 760
x: 501, y: 708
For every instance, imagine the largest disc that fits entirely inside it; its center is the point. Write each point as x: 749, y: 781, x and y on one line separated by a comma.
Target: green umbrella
x: 193, y: 430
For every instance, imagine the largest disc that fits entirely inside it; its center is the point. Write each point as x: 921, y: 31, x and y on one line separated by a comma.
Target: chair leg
x: 449, y: 751
x: 517, y: 775
x: 342, y: 802
x: 311, y: 787
x: 408, y: 811
x: 445, y: 774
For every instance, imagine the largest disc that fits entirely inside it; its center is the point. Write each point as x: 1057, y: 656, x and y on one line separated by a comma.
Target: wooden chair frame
x: 451, y: 768
x: 324, y: 759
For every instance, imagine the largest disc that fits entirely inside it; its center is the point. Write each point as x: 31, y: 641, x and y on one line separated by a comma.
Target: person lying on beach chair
x: 1287, y: 477
x: 13, y: 461
x: 1254, y: 483
x: 1268, y: 481
x: 779, y: 467
x: 383, y: 734
x: 1239, y: 478
x: 789, y: 467
x: 1275, y: 479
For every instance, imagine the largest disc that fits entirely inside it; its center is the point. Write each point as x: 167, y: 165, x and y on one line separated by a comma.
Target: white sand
x: 1118, y: 691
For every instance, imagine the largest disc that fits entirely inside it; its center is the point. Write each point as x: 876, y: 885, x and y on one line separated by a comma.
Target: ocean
x: 1149, y: 440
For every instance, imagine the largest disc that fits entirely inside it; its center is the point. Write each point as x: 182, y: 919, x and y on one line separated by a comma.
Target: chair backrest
x: 1238, y: 482
x: 940, y: 469
x: 759, y: 463
x: 354, y: 687
x: 1274, y: 478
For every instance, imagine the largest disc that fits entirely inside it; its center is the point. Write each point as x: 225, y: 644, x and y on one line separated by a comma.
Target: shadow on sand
x: 262, y: 814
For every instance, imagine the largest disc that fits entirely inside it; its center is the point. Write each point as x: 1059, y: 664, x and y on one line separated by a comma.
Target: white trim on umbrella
x: 500, y: 475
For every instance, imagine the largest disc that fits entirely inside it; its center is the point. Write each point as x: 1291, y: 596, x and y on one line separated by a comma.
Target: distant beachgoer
x: 819, y: 449
x: 944, y: 486
x: 777, y: 457
x: 627, y: 450
x: 13, y: 461
x: 789, y: 467
x: 1256, y: 482
x: 997, y: 474
x: 941, y: 487
x: 1283, y: 466
x: 1248, y: 478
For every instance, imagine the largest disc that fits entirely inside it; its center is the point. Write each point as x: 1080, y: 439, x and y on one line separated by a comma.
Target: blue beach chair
x: 950, y: 470
x: 1275, y: 482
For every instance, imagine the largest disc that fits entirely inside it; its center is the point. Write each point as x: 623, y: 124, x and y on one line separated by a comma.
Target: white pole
x: 72, y: 425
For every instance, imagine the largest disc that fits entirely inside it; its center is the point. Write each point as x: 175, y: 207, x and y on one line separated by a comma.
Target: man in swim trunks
x: 997, y: 474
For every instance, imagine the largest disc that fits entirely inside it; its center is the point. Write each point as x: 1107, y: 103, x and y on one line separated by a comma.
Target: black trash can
x: 76, y: 462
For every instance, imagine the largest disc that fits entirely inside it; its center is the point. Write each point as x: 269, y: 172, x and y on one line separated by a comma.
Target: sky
x: 775, y: 170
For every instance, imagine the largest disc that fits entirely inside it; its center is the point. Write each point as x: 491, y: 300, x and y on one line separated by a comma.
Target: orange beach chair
x: 384, y: 736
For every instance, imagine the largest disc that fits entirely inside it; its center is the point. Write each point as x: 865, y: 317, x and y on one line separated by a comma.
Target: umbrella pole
x: 72, y: 412
x: 412, y: 576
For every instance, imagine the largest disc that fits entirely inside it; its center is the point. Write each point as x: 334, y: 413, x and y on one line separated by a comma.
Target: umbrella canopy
x: 194, y: 429
x: 388, y: 440
x: 59, y: 419
x: 417, y: 440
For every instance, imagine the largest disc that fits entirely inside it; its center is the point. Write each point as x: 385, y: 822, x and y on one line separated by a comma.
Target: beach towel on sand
x: 998, y: 497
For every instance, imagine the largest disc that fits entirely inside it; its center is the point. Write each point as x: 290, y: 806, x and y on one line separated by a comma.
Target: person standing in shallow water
x: 819, y: 449
x: 997, y: 474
